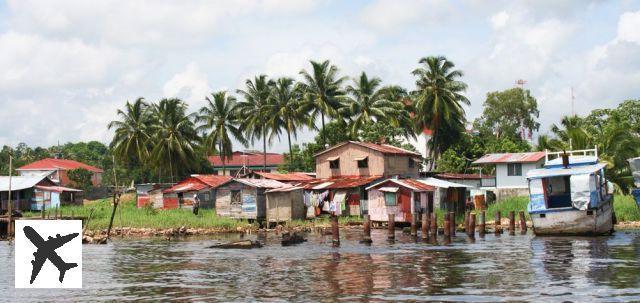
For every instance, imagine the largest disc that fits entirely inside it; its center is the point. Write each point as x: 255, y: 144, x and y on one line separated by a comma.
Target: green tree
x: 368, y: 102
x: 256, y: 111
x: 509, y: 113
x: 289, y: 112
x: 131, y: 136
x: 81, y: 178
x: 174, y: 137
x: 438, y: 101
x: 220, y: 122
x: 323, y: 90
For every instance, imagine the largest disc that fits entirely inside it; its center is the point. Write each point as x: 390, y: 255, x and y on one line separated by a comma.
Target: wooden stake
x: 434, y: 226
x: 482, y: 223
x: 512, y: 223
x: 466, y: 221
x: 447, y: 225
x: 414, y: 225
x: 424, y: 231
x: 367, y: 229
x: 523, y: 223
x: 391, y: 227
x: 498, y: 228
x: 335, y: 231
x: 452, y: 223
x: 472, y: 226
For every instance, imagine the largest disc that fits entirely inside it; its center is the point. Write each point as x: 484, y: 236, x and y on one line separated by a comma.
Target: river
x: 492, y: 269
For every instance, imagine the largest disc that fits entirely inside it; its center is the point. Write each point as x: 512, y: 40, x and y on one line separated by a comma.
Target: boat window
x: 390, y: 199
x: 558, y: 191
x: 514, y: 169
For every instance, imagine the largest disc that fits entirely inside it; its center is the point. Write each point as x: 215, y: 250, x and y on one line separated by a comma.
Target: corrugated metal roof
x: 213, y: 180
x: 197, y: 183
x: 463, y: 176
x: 55, y: 164
x: 442, y: 183
x: 261, y: 183
x: 340, y: 182
x: 383, y: 148
x: 285, y: 177
x: 57, y: 189
x: 248, y: 159
x: 510, y: 158
x: 412, y: 184
x: 21, y: 182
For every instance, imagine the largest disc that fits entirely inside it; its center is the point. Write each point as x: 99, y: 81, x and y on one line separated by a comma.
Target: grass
x: 128, y: 215
x: 626, y: 209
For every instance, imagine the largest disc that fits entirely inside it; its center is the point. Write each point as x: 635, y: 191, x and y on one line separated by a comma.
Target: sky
x: 67, y: 66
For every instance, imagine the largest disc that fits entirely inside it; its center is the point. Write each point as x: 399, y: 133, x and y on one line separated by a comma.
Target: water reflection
x: 489, y: 269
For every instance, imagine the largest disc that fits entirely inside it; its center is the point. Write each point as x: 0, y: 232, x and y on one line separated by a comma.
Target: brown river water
x: 493, y: 269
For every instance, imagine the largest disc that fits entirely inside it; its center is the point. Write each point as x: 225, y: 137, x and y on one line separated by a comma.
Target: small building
x: 510, y: 172
x: 285, y: 178
x: 285, y: 204
x: 242, y: 163
x: 182, y: 195
x: 477, y: 182
x: 448, y: 196
x: 364, y: 159
x: 341, y: 195
x: 36, y: 192
x: 56, y: 170
x: 404, y: 198
x: 151, y: 193
x: 244, y: 198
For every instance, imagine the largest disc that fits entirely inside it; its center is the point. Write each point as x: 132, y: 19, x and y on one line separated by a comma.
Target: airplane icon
x: 46, y: 250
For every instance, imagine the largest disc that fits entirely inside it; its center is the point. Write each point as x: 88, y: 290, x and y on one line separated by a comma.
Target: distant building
x: 353, y: 158
x: 183, y: 194
x: 57, y: 170
x: 420, y: 142
x: 35, y: 192
x: 242, y: 163
x: 511, y: 171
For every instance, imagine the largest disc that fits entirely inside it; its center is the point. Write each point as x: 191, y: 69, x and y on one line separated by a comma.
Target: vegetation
x: 81, y: 178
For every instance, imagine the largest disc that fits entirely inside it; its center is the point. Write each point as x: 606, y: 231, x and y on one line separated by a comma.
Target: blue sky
x: 65, y: 67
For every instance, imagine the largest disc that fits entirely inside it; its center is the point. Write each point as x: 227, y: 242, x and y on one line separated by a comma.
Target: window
x: 390, y: 199
x: 412, y: 163
x: 514, y: 169
x: 363, y: 163
x: 236, y: 198
x: 334, y: 164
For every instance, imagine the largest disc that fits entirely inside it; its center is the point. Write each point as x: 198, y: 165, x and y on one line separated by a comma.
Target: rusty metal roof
x: 339, y: 182
x: 412, y: 184
x: 383, y: 148
x: 261, y: 183
x: 510, y: 158
x: 197, y: 183
x: 55, y: 164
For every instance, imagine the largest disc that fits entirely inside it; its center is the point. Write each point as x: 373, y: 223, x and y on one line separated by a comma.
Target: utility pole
x: 9, y: 206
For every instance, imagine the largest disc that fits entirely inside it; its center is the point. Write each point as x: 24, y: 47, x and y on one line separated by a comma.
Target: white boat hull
x: 574, y: 222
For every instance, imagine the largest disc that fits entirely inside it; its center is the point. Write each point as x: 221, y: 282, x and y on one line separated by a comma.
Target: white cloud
x: 191, y: 85
x: 387, y: 15
x: 499, y: 20
x: 629, y: 27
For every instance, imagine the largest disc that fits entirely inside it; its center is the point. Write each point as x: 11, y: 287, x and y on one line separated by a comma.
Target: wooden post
x: 414, y: 225
x: 498, y: 228
x: 452, y: 223
x: 434, y: 226
x: 523, y: 223
x: 512, y: 223
x: 391, y: 227
x: 367, y: 229
x: 447, y: 225
x: 472, y: 226
x: 466, y: 221
x: 116, y: 198
x: 482, y: 223
x: 335, y: 231
x: 424, y: 231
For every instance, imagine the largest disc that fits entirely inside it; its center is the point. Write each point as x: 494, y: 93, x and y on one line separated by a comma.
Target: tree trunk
x: 224, y: 167
x: 324, y: 138
x: 264, y: 149
x: 290, y: 150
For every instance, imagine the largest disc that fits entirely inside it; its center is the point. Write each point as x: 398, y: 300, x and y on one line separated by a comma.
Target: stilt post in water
x: 367, y: 229
x: 472, y: 225
x: 335, y: 231
x: 512, y: 223
x: 447, y: 225
x: 424, y: 231
x: 483, y: 223
x: 391, y: 225
x: 452, y: 223
x: 523, y: 223
x: 498, y: 219
x: 414, y: 225
x: 466, y: 221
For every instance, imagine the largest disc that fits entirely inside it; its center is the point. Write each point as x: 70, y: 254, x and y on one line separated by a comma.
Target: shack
x: 244, y: 198
x: 151, y: 194
x: 448, y: 196
x: 341, y: 195
x: 35, y: 192
x: 183, y: 194
x: 285, y: 204
x: 404, y: 198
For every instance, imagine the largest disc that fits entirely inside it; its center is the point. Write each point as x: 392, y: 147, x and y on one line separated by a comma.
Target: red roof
x: 510, y: 158
x: 463, y: 176
x: 248, y: 159
x: 383, y: 148
x: 58, y: 164
x: 339, y: 182
x: 285, y: 177
x: 197, y: 183
x: 417, y: 184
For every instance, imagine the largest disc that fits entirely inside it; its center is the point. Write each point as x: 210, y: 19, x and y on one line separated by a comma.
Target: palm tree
x: 572, y: 133
x: 255, y: 110
x: 438, y: 102
x: 131, y: 137
x: 323, y: 90
x: 368, y: 102
x: 219, y: 117
x: 288, y: 110
x: 174, y: 136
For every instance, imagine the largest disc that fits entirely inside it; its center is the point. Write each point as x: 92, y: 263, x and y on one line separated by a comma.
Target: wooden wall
x: 285, y: 206
x: 244, y: 209
x: 379, y: 163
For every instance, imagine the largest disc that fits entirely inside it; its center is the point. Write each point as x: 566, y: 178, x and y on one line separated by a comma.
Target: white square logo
x: 48, y: 253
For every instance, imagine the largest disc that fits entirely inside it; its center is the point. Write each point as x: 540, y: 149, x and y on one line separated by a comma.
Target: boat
x: 635, y: 171
x: 569, y: 195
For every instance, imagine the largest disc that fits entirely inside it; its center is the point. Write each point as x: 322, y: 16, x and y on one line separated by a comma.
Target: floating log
x: 245, y: 244
x: 523, y: 223
x: 512, y: 223
x: 292, y: 238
